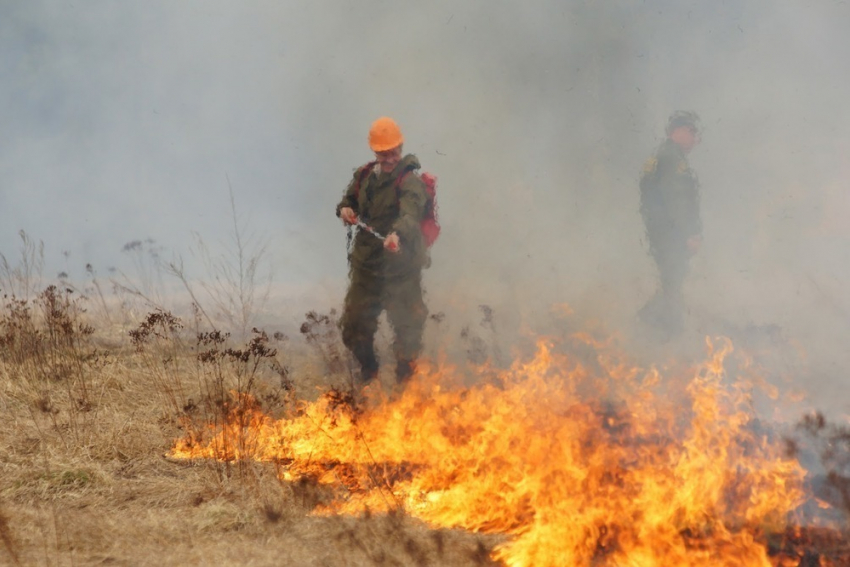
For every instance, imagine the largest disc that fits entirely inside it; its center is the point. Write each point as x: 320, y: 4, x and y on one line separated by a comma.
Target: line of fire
x: 572, y: 455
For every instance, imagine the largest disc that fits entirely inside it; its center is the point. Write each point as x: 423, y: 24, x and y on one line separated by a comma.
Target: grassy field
x: 94, y: 404
x: 90, y: 413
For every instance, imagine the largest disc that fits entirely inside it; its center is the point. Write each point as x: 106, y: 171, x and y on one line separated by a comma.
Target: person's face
x: 685, y: 136
x: 388, y: 159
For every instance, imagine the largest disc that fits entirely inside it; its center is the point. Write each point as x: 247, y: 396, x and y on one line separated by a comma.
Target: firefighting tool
x: 362, y: 225
x: 368, y: 228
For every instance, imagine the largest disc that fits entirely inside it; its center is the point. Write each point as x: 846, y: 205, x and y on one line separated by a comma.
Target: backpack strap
x: 364, y: 173
x: 400, y: 179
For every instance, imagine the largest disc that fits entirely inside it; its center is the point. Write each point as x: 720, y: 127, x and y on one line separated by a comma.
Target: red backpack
x: 429, y: 224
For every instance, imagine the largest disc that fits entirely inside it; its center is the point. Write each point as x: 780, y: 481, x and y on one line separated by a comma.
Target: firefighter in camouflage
x: 385, y: 271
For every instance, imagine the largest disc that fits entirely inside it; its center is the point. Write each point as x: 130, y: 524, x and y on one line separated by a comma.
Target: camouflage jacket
x: 669, y: 198
x: 387, y: 206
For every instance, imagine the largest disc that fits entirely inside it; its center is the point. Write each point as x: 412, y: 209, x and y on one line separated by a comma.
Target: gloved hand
x: 348, y: 215
x: 392, y: 243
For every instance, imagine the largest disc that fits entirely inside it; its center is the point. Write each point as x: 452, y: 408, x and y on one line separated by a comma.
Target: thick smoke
x: 120, y: 121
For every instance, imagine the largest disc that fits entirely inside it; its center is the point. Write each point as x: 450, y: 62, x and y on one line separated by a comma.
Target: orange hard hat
x: 384, y: 135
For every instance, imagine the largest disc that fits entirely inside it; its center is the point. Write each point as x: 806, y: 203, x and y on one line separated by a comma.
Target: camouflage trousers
x: 368, y: 295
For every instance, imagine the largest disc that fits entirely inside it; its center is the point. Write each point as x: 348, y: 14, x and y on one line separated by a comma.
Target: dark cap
x: 683, y: 118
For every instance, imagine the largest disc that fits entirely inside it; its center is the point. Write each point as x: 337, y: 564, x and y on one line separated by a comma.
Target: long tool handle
x: 368, y: 228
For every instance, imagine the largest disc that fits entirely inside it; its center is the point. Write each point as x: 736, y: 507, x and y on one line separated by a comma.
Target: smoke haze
x: 122, y: 121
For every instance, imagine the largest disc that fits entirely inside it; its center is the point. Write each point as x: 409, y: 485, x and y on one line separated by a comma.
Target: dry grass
x: 91, y: 409
x: 90, y: 414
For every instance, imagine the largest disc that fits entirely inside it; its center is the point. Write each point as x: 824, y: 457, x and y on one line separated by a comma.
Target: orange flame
x: 534, y: 452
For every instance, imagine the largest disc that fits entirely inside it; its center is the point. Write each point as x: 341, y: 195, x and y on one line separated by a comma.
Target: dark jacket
x: 388, y: 206
x: 669, y: 199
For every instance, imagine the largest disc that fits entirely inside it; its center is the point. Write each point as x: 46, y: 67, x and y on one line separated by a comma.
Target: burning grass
x: 570, y: 456
x: 575, y: 468
x: 89, y: 416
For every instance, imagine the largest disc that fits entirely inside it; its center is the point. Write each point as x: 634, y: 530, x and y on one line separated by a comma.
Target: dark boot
x: 404, y: 370
x: 368, y: 365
